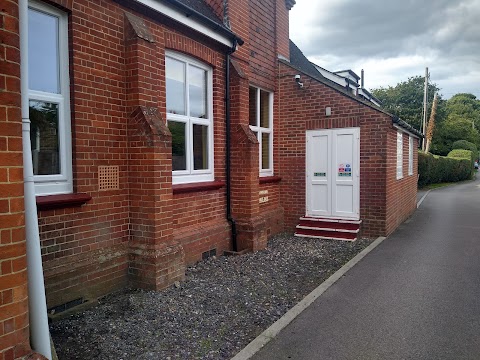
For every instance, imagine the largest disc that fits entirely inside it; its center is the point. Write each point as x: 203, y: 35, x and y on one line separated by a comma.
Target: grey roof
x: 298, y: 59
x: 300, y: 62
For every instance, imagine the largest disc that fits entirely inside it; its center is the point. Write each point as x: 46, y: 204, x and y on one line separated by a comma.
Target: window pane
x: 44, y: 138
x: 252, y: 104
x: 264, y: 109
x: 198, y: 92
x: 200, y: 147
x: 265, y: 151
x: 175, y: 74
x: 43, y: 64
x: 179, y: 159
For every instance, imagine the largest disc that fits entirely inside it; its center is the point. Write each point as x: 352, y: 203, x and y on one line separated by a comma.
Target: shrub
x: 465, y: 145
x: 462, y: 154
x: 457, y: 166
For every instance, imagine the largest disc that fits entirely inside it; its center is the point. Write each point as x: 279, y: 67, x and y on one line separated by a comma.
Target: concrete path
x: 415, y: 296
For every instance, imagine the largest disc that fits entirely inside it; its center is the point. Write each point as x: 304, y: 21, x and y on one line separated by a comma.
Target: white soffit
x: 180, y: 17
x: 399, y: 128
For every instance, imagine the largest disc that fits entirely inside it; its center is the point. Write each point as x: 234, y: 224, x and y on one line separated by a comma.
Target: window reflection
x: 198, y: 92
x: 179, y: 159
x: 44, y: 138
x: 265, y: 151
x: 175, y: 74
x: 264, y: 109
x: 252, y: 106
x: 200, y: 147
x: 43, y: 64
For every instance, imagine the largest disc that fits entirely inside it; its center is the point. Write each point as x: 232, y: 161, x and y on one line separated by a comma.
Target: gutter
x: 187, y: 16
x: 37, y: 304
x: 207, y: 21
x: 406, y: 126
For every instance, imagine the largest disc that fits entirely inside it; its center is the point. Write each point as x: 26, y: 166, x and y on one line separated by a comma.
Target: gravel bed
x: 224, y: 304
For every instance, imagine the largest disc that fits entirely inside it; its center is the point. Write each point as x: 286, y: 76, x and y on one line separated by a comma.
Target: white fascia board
x: 399, y: 128
x: 180, y: 17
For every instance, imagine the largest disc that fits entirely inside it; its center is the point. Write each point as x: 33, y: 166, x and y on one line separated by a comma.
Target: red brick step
x: 328, y: 228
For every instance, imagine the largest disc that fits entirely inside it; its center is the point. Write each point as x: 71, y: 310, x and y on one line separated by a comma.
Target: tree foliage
x: 405, y: 100
x: 454, y: 129
x: 457, y: 118
x: 462, y: 123
x: 465, y: 145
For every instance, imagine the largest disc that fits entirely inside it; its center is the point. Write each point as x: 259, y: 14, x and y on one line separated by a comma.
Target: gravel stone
x: 224, y: 303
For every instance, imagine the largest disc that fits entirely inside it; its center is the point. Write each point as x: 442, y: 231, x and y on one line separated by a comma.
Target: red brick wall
x: 263, y: 57
x: 384, y: 202
x: 401, y: 198
x: 85, y: 248
x: 89, y: 250
x: 282, y: 29
x: 199, y: 218
x: 14, y: 338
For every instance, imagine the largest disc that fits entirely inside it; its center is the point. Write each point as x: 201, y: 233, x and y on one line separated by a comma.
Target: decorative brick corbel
x: 150, y: 125
x: 140, y: 29
x: 243, y: 134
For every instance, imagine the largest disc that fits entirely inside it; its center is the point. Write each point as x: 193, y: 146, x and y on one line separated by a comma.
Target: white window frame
x: 410, y: 155
x: 190, y: 175
x: 60, y: 183
x: 262, y: 130
x: 399, y: 155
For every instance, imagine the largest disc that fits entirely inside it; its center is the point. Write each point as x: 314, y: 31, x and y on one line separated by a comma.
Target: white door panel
x: 318, y: 190
x: 333, y: 176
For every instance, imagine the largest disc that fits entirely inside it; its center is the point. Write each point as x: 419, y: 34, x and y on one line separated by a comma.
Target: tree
x: 454, y: 129
x: 462, y: 123
x: 405, y: 100
x: 464, y: 106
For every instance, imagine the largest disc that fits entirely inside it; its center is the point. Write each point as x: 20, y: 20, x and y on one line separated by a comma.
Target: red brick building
x: 164, y: 132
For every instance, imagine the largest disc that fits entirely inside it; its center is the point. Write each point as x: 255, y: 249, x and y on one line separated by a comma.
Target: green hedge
x: 462, y: 154
x: 457, y: 166
x: 465, y: 145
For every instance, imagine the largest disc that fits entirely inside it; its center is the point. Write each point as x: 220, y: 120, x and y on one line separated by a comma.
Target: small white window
x: 399, y: 155
x: 410, y: 155
x: 261, y: 123
x: 189, y: 118
x: 49, y: 99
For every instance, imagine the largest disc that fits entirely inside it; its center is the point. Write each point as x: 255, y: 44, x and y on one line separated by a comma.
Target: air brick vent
x: 108, y: 178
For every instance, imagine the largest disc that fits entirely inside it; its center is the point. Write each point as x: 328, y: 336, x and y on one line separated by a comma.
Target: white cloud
x: 393, y: 41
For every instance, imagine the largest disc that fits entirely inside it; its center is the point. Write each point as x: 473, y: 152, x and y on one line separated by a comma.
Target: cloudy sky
x: 393, y: 40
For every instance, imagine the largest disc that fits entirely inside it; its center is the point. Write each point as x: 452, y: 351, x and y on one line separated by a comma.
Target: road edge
x: 261, y: 340
x: 423, y: 198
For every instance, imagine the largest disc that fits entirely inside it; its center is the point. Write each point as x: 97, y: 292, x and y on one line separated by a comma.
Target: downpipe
x: 37, y: 304
x: 230, y: 219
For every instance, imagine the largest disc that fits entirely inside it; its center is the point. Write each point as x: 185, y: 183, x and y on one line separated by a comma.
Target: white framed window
x: 49, y: 99
x: 410, y: 155
x: 189, y: 118
x: 399, y: 155
x: 261, y: 123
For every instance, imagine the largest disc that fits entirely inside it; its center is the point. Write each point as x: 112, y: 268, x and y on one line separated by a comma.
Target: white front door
x: 333, y: 173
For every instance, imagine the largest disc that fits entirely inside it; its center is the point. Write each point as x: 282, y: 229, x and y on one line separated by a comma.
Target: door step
x: 328, y: 228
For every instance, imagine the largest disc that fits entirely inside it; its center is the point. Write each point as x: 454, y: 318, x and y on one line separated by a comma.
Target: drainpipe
x: 230, y: 219
x: 37, y: 304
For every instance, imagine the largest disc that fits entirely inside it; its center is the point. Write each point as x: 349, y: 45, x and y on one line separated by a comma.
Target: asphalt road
x: 415, y: 296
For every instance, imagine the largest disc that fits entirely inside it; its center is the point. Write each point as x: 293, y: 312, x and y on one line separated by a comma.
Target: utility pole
x: 424, y: 120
